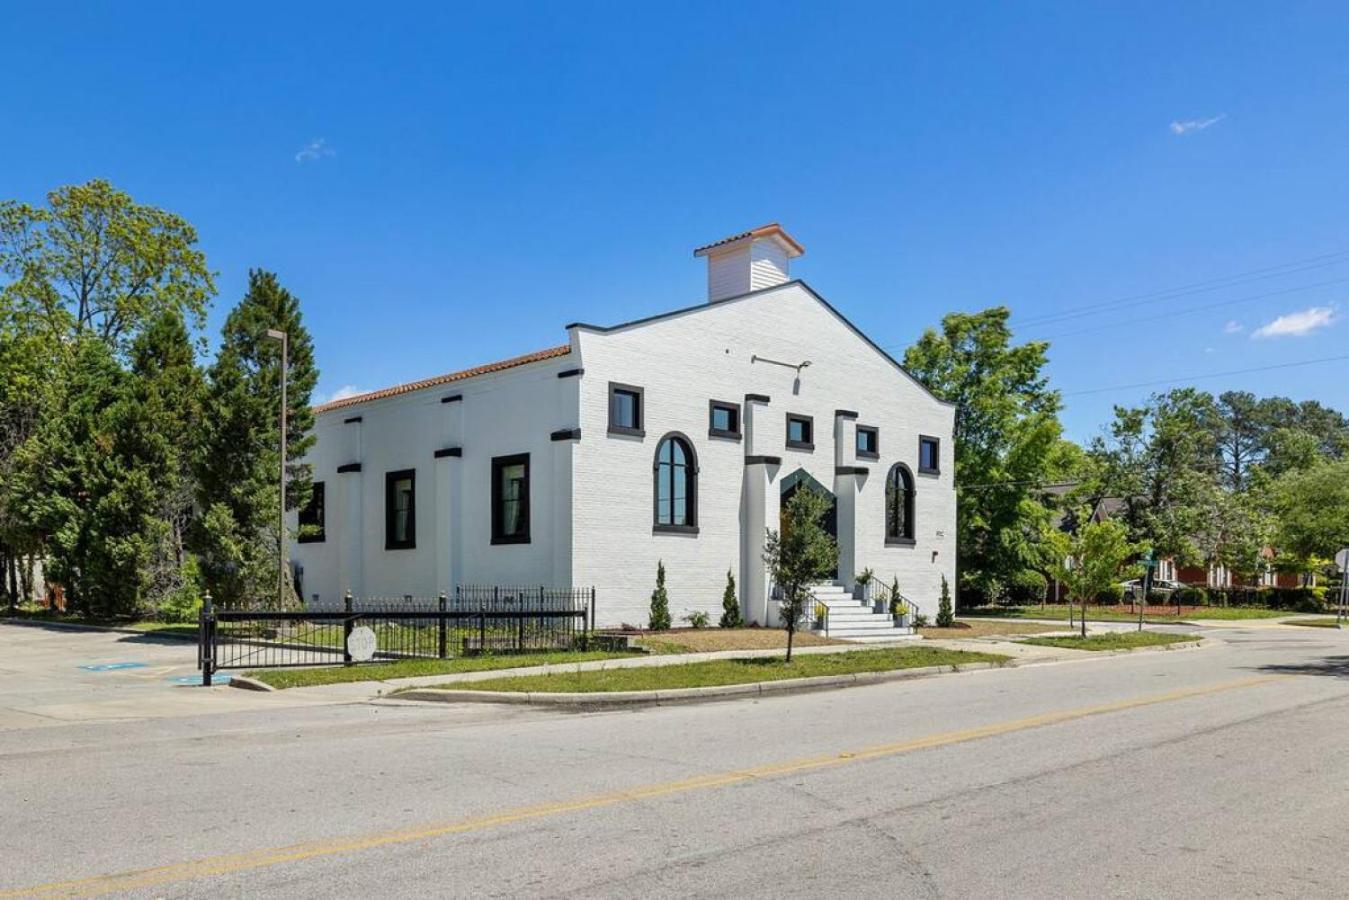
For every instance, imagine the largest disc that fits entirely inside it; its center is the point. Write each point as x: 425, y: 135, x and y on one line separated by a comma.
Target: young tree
x: 945, y: 616
x: 1091, y: 561
x: 802, y: 553
x: 237, y: 470
x: 1006, y: 429
x: 660, y: 602
x: 1312, y: 510
x: 94, y: 263
x: 730, y: 605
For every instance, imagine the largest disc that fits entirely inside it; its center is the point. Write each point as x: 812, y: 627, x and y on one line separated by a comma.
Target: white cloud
x: 1233, y: 327
x: 1185, y: 126
x: 314, y: 150
x: 342, y: 393
x: 1298, y: 324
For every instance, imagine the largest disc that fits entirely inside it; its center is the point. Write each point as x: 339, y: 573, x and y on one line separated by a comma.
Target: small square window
x: 625, y: 409
x: 800, y: 432
x: 868, y: 442
x: 929, y: 455
x: 723, y: 419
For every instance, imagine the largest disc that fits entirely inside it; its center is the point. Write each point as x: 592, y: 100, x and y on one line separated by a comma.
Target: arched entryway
x: 793, y: 483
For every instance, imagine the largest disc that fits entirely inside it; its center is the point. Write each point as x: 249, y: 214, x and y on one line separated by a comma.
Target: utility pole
x: 275, y: 335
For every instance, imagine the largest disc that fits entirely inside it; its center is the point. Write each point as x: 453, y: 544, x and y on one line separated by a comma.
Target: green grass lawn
x: 730, y: 671
x: 1122, y: 613
x: 1315, y: 623
x: 412, y: 668
x: 1115, y: 640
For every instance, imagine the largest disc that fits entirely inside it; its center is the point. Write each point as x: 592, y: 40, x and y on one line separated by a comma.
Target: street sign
x: 1342, y: 559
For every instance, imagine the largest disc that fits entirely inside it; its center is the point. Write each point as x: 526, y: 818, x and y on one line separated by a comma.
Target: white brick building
x: 672, y: 438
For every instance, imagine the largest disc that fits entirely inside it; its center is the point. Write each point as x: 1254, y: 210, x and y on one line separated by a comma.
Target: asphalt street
x: 1213, y: 772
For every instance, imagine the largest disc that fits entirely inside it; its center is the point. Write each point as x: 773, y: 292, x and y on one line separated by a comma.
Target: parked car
x: 1134, y: 589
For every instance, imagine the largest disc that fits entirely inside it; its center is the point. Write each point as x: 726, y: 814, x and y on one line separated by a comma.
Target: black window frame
x: 499, y: 463
x: 690, y: 524
x: 875, y: 451
x: 734, y: 433
x: 809, y: 422
x: 639, y: 395
x: 909, y: 489
x: 936, y: 451
x: 391, y: 510
x: 315, y: 511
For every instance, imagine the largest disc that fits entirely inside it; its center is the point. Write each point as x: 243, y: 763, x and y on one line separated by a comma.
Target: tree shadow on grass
x: 1334, y: 666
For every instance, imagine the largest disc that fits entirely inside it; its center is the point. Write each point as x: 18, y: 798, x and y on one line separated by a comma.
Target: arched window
x: 899, y: 505
x: 676, y: 491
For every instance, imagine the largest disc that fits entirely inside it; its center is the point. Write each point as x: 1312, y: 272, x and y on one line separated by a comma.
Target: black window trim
x: 317, y: 490
x: 875, y: 451
x: 810, y: 431
x: 936, y: 441
x: 499, y: 463
x: 390, y: 510
x: 640, y: 430
x: 691, y: 527
x: 910, y: 501
x: 734, y: 434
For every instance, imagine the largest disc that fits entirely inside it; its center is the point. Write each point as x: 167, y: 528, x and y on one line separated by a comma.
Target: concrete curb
x: 687, y: 695
x: 249, y: 684
x: 78, y: 626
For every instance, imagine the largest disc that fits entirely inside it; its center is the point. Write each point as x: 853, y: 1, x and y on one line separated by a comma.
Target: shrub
x: 660, y: 602
x: 919, y: 620
x: 1026, y: 587
x: 697, y: 619
x: 730, y: 605
x: 1111, y: 596
x: 945, y: 616
x: 1190, y: 596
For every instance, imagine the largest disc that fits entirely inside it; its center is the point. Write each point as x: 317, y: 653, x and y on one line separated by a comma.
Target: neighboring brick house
x: 673, y: 438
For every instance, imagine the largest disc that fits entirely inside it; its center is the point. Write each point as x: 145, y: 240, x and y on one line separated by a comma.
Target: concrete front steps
x: 854, y: 620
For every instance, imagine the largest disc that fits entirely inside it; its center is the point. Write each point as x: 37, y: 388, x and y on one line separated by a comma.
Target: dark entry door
x: 793, y: 483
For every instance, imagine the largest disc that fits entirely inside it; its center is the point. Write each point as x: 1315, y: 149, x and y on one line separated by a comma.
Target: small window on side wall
x: 510, y: 499
x: 311, y: 517
x: 400, y: 510
x: 868, y: 442
x: 625, y: 409
x: 723, y: 419
x: 929, y: 455
x: 800, y: 432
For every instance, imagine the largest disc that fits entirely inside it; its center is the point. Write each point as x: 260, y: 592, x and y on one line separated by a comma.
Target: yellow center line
x: 257, y: 859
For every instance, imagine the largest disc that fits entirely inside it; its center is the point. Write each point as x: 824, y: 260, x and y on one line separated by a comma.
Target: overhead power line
x: 1167, y: 381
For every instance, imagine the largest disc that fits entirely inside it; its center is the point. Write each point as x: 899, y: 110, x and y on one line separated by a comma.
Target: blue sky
x: 480, y: 175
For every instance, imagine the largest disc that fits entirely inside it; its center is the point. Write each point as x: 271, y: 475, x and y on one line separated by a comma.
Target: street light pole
x: 275, y: 335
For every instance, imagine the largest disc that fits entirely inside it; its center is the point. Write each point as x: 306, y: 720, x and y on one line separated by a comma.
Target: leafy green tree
x: 660, y: 602
x: 945, y: 616
x: 27, y: 373
x: 730, y: 605
x: 802, y: 553
x: 1313, y: 511
x: 237, y: 471
x: 1006, y: 431
x: 1092, y: 560
x: 94, y: 263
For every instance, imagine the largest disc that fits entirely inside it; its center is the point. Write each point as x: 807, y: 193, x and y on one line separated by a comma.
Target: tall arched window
x: 899, y: 505
x: 676, y: 490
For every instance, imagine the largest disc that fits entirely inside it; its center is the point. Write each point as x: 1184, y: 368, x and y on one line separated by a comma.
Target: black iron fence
x: 476, y: 619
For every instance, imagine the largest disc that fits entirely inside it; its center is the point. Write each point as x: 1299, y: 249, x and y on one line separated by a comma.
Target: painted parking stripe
x: 112, y: 667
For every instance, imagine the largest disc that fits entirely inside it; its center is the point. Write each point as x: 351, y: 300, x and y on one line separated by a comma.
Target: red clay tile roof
x: 762, y: 231
x: 537, y: 356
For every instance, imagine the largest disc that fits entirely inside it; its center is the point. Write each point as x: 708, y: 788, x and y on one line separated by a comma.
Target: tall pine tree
x: 238, y: 467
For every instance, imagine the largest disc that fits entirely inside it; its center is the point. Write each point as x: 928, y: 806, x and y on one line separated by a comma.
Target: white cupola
x: 749, y: 261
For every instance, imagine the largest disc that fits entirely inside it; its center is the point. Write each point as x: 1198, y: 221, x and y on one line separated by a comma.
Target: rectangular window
x: 400, y: 510
x: 800, y: 432
x: 929, y: 455
x: 510, y: 499
x: 311, y: 517
x: 723, y: 419
x: 868, y: 442
x: 625, y: 409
